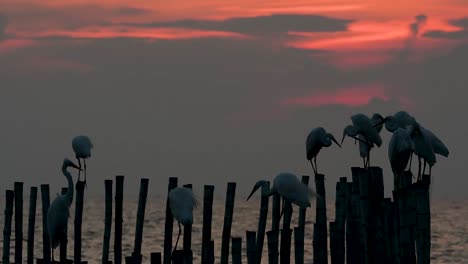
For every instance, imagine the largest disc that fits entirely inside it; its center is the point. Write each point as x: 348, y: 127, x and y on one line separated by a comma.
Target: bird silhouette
x: 399, y: 152
x: 316, y: 140
x: 57, y: 214
x: 82, y: 147
x: 182, y: 201
x: 365, y: 148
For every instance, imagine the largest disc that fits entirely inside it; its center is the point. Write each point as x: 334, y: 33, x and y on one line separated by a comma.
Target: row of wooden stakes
x: 368, y: 228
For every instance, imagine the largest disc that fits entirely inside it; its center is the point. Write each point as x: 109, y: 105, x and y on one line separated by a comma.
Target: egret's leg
x: 419, y: 167
x: 364, y: 162
x: 410, y: 159
x: 52, y: 255
x: 177, y: 241
x: 315, y: 161
x: 79, y: 171
x: 368, y: 160
x: 313, y: 168
x: 430, y: 170
x: 84, y: 160
x: 282, y: 211
x: 424, y: 170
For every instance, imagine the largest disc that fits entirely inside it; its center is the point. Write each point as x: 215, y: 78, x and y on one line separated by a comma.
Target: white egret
x: 317, y: 139
x: 182, y: 201
x: 82, y: 147
x: 57, y: 214
x: 290, y: 188
x: 422, y: 147
x: 401, y: 119
x: 363, y: 125
x: 399, y: 152
x: 365, y: 148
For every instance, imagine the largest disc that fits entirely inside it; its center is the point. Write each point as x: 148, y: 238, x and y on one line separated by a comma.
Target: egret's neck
x: 69, y: 194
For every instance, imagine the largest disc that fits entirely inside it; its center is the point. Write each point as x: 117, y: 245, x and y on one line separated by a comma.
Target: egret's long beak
x: 255, y: 188
x: 73, y: 165
x: 334, y: 140
x: 342, y: 140
x: 381, y: 122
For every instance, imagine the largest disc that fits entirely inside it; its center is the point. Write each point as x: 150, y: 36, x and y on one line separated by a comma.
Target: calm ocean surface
x: 449, y: 229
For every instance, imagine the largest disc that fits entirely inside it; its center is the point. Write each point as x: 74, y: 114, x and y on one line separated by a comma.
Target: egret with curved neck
x: 57, y: 214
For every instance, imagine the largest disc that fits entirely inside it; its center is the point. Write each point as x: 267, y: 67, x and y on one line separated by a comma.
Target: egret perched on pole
x: 365, y: 148
x: 290, y: 188
x: 182, y: 201
x: 399, y: 151
x: 363, y: 125
x: 401, y: 119
x: 82, y: 147
x: 57, y: 214
x: 317, y: 139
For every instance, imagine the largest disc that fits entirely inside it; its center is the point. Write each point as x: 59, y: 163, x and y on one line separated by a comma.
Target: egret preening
x: 317, y: 139
x: 182, y: 201
x: 365, y: 148
x: 400, y: 119
x: 363, y: 125
x: 290, y: 188
x: 57, y: 214
x: 82, y: 147
x: 399, y: 152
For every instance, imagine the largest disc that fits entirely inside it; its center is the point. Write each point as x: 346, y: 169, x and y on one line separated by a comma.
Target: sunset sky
x: 217, y: 91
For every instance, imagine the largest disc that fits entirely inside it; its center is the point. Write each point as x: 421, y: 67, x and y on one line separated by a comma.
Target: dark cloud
x: 460, y: 34
x: 415, y: 27
x: 260, y: 24
x: 3, y: 25
x: 132, y: 11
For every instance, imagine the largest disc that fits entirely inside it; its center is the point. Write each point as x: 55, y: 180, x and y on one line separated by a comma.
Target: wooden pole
x: 78, y: 220
x: 299, y: 245
x: 395, y: 231
x: 262, y: 222
x: 340, y: 219
x: 388, y: 257
x: 273, y: 253
x: 375, y: 225
x: 64, y: 240
x: 334, y: 243
x: 320, y: 227
x: 207, y: 217
x: 187, y: 242
x: 251, y: 249
x: 136, y: 256
x: 107, y: 221
x: 45, y: 235
x: 302, y: 211
x: 236, y: 250
x: 178, y: 257
x: 119, y: 187
x: 210, y: 252
x: 31, y: 224
x: 423, y: 228
x: 9, y: 197
x: 286, y: 232
x: 168, y: 224
x: 275, y: 212
x: 156, y: 258
x: 353, y: 248
x: 364, y: 209
x: 18, y: 189
x: 228, y: 213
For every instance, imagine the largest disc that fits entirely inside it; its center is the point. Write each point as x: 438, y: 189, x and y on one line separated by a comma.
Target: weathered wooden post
x: 388, y: 257
x: 236, y: 250
x: 9, y: 196
x: 340, y: 219
x: 423, y: 227
x: 45, y: 235
x: 18, y: 189
x: 156, y: 258
x: 64, y: 240
x: 364, y: 212
x: 169, y: 223
x: 275, y: 225
x: 353, y: 248
x: 107, y: 221
x: 178, y: 257
x: 119, y: 187
x: 228, y: 213
x: 299, y: 245
x: 136, y: 255
x: 207, y: 217
x: 273, y: 253
x: 31, y: 224
x: 251, y: 249
x: 78, y: 220
x: 262, y: 222
x: 334, y: 243
x: 320, y: 227
x: 375, y: 227
x: 286, y: 233
x: 187, y: 242
x: 210, y: 252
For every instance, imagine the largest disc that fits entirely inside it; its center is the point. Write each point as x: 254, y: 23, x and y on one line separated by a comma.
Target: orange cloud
x: 354, y: 96
x: 11, y: 45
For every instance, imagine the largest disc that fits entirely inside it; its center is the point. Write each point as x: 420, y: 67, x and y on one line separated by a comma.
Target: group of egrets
x: 58, y: 212
x: 408, y: 137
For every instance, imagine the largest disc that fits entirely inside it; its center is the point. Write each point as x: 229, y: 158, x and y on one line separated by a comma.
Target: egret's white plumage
x: 316, y: 140
x: 422, y: 147
x: 290, y: 188
x: 399, y: 152
x: 401, y: 119
x: 365, y: 148
x: 82, y: 147
x: 182, y: 201
x: 57, y: 214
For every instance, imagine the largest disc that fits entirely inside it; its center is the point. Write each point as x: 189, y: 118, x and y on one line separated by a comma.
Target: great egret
x: 182, y: 201
x: 317, y: 139
x: 82, y: 147
x: 57, y: 214
x: 399, y: 152
x: 365, y: 148
x: 363, y: 125
x: 401, y: 119
x: 422, y: 147
x: 290, y: 188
